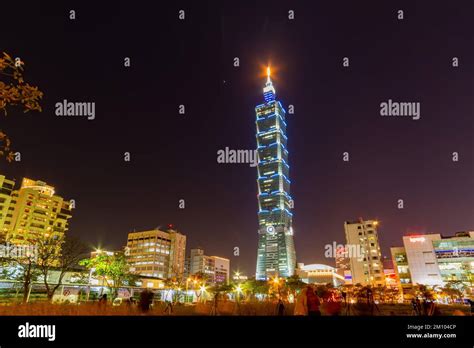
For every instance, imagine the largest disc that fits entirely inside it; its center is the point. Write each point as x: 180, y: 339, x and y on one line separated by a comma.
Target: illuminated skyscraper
x: 276, y: 250
x: 35, y: 211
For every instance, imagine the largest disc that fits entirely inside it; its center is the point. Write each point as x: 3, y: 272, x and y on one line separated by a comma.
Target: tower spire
x: 269, y: 90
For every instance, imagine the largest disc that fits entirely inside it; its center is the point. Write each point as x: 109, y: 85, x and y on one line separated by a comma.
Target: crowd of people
x: 306, y: 303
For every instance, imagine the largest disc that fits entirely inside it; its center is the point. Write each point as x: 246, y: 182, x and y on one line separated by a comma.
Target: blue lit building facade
x: 276, y: 250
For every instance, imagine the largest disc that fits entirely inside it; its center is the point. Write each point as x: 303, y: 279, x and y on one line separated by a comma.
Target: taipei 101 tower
x: 276, y: 250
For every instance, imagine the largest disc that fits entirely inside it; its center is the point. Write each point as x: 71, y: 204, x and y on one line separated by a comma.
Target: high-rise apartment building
x: 366, y: 266
x: 343, y: 267
x: 6, y: 188
x: 34, y: 211
x: 157, y: 253
x: 276, y: 251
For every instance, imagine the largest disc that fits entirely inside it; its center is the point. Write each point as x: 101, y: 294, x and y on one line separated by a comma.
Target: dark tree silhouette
x: 14, y: 91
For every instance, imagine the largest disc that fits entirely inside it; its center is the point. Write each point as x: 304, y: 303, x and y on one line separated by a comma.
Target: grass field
x: 226, y: 308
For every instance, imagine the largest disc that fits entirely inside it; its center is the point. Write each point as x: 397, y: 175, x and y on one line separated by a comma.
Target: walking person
x: 280, y: 307
x: 415, y: 306
x: 169, y: 303
x: 418, y: 306
x: 215, y: 305
x: 146, y: 299
x: 129, y: 303
x: 344, y: 297
x: 169, y: 308
x: 103, y: 301
x: 426, y: 307
x: 313, y: 302
x: 301, y: 304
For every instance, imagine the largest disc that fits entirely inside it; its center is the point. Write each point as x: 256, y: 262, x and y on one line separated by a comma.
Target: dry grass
x: 85, y: 309
x: 44, y: 308
x: 224, y: 308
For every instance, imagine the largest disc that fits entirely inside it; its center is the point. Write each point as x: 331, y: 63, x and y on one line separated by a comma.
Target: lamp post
x: 187, y: 287
x: 237, y: 276
x: 238, y: 290
x: 89, y: 284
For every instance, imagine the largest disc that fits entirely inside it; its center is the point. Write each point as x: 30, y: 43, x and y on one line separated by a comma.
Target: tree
x: 21, y: 265
x: 468, y: 273
x: 348, y: 290
x: 48, y: 254
x: 295, y: 284
x: 5, y: 150
x: 176, y: 283
x: 111, y: 267
x: 454, y: 290
x: 392, y: 294
x: 222, y: 289
x: 198, y: 281
x: 360, y: 292
x: 7, y: 273
x: 254, y: 287
x: 14, y: 91
x: 380, y: 293
x: 58, y: 255
x: 423, y: 291
x: 324, y: 290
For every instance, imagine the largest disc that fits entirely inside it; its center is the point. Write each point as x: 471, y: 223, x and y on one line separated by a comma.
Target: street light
x: 187, y: 287
x: 89, y: 283
x: 238, y: 289
x: 202, y: 290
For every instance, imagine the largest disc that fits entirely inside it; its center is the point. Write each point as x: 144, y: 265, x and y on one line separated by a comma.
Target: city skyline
x: 390, y: 158
x: 204, y: 172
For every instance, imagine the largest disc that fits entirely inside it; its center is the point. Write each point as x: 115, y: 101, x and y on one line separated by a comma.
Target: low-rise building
x: 215, y: 269
x: 432, y: 259
x: 319, y: 274
x: 156, y: 253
